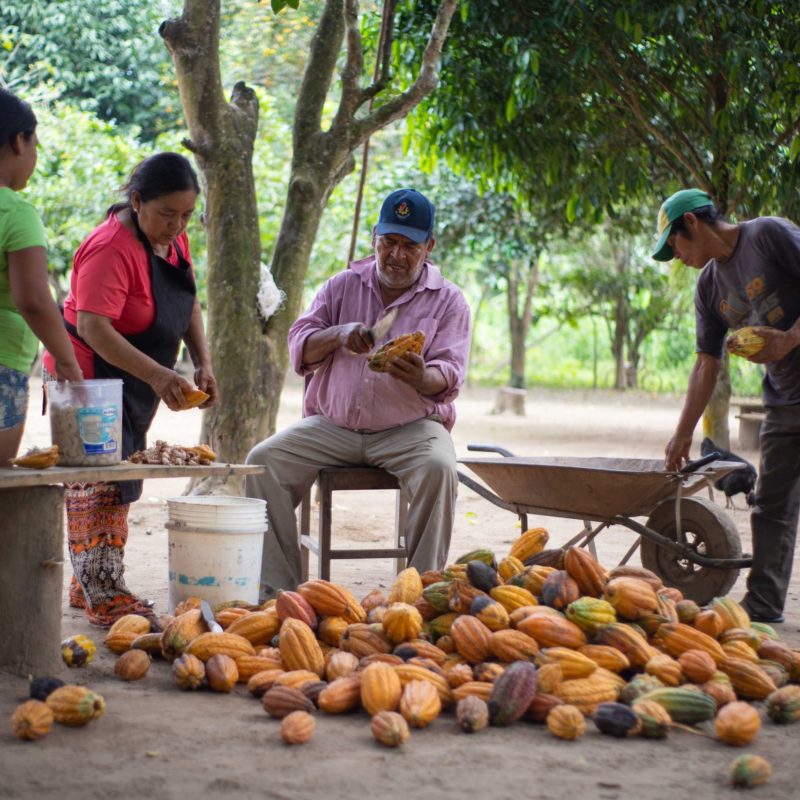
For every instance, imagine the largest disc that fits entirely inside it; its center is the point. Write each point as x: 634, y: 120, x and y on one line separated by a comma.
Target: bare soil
x: 157, y: 741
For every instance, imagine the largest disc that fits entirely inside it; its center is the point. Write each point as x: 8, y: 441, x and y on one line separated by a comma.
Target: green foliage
x: 267, y: 50
x: 105, y: 57
x: 623, y: 100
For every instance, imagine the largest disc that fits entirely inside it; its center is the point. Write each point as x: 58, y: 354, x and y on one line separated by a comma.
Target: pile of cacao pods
x: 548, y: 636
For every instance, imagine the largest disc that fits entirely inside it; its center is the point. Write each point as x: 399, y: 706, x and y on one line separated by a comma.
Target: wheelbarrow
x: 688, y: 541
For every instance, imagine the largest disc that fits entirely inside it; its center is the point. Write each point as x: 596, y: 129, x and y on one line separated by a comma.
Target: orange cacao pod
x: 297, y: 727
x: 380, y: 688
x: 299, y: 647
x: 737, y: 724
x: 221, y: 672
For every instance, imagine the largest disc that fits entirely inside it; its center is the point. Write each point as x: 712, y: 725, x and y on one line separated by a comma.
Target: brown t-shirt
x: 758, y: 285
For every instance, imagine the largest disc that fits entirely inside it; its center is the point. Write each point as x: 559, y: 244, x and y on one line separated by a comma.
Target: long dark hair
x: 16, y: 117
x: 156, y: 176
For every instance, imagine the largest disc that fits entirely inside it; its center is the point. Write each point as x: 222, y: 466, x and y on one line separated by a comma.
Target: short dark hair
x: 16, y: 117
x: 156, y: 176
x: 708, y: 214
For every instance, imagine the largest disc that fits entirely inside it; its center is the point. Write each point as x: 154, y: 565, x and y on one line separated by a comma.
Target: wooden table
x: 32, y: 547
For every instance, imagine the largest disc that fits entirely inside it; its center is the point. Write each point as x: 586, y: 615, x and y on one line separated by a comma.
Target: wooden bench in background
x: 750, y: 416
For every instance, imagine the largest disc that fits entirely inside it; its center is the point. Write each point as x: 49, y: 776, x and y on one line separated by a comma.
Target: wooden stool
x: 329, y: 480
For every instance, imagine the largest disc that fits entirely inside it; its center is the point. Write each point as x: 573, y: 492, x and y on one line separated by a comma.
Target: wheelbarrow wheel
x: 708, y: 531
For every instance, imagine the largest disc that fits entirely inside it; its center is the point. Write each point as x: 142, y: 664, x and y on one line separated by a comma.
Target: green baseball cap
x: 671, y: 209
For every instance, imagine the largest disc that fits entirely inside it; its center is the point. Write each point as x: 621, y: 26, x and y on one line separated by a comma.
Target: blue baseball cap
x: 408, y: 213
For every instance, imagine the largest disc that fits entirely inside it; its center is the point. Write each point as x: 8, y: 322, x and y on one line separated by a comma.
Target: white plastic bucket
x: 215, y: 547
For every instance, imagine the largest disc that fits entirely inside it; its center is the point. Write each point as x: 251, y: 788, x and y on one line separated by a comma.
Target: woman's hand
x: 68, y: 371
x: 205, y: 380
x: 170, y: 387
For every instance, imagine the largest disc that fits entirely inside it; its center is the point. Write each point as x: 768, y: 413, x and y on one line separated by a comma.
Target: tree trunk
x: 618, y: 345
x: 519, y: 320
x: 715, y: 417
x: 249, y: 355
x: 222, y: 136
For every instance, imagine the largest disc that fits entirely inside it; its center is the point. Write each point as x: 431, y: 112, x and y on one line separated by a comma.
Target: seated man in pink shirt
x: 399, y: 419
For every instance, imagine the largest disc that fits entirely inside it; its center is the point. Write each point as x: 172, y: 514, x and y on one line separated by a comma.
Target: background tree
x: 105, y: 58
x: 503, y: 241
x: 615, y: 280
x: 647, y: 98
x: 249, y: 355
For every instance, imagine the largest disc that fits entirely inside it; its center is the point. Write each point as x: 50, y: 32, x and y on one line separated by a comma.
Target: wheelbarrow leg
x: 631, y: 550
x: 590, y: 545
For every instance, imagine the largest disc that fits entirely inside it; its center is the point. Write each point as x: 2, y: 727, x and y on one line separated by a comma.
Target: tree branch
x: 353, y: 67
x: 632, y: 101
x: 383, y: 57
x: 192, y: 41
x: 425, y: 83
x: 323, y: 53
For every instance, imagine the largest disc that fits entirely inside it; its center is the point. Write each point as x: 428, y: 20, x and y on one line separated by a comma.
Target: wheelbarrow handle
x: 693, y: 466
x: 490, y: 448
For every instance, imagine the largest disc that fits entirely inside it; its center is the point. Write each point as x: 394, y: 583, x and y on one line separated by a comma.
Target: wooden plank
x: 31, y: 577
x: 17, y: 477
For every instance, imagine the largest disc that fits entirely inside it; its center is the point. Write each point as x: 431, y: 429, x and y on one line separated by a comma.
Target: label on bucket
x: 96, y: 427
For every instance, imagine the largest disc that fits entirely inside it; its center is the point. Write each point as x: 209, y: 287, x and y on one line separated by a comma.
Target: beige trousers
x: 420, y: 455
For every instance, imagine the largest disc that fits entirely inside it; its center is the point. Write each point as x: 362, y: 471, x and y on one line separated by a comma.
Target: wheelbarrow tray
x: 588, y: 488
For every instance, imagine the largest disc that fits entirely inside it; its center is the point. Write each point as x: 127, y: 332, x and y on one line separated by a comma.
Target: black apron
x: 174, y: 293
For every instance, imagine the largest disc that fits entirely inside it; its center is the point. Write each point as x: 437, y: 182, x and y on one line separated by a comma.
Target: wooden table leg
x: 31, y: 578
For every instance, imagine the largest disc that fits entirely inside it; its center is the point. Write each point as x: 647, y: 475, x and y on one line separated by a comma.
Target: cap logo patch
x: 402, y: 210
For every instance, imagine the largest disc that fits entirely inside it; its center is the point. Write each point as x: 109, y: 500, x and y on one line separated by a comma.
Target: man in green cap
x: 750, y: 276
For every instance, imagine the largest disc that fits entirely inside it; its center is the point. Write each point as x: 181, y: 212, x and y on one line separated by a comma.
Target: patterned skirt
x: 97, y: 529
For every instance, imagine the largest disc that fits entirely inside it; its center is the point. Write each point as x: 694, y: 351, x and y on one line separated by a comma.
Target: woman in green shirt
x: 28, y: 312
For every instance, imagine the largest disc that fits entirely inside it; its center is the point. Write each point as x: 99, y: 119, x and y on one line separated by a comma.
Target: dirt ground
x: 157, y: 741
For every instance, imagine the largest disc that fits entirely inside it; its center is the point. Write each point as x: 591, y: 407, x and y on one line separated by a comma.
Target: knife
x: 382, y: 326
x: 208, y: 616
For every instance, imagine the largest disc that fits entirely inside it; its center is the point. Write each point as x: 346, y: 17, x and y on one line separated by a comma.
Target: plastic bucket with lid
x: 215, y: 546
x: 86, y: 421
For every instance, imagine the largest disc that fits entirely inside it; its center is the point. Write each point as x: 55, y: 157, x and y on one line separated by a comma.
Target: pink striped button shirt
x: 343, y: 389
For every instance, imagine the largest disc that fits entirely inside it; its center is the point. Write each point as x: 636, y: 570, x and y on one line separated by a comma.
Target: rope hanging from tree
x: 386, y: 19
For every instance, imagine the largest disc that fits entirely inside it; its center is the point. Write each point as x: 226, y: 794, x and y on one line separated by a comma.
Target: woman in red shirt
x: 132, y: 302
